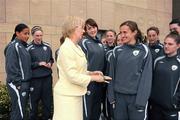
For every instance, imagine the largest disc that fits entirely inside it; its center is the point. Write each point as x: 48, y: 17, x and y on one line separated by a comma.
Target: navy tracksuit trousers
x: 41, y: 90
x: 156, y: 112
x: 19, y: 100
x: 125, y: 108
x: 92, y: 102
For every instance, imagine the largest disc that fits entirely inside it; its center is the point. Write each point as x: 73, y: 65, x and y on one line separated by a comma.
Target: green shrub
x: 4, y: 102
x: 5, y: 105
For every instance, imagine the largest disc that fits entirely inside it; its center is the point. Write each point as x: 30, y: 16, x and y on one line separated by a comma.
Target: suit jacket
x: 72, y: 66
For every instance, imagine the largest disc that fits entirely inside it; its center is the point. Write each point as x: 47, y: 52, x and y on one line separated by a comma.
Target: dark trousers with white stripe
x: 41, y: 90
x: 125, y: 108
x: 107, y: 110
x: 19, y: 100
x: 107, y: 107
x: 156, y: 112
x: 92, y: 102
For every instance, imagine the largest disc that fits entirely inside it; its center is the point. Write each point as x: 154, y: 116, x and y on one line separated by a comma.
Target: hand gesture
x: 95, y: 73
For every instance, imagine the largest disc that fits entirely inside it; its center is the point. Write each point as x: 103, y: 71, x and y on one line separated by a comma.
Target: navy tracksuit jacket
x: 165, y: 94
x: 131, y: 72
x: 18, y: 69
x: 95, y: 54
x: 41, y: 83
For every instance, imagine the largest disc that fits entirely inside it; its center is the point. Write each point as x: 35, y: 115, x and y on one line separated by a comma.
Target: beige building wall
x: 50, y: 13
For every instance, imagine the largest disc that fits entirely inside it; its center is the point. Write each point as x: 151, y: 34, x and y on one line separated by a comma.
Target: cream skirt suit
x: 72, y: 84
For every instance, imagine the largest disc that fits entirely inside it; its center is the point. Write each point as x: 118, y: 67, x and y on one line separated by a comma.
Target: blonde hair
x: 36, y: 28
x: 69, y: 25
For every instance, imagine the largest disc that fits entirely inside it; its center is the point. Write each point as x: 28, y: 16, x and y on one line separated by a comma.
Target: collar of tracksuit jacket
x: 95, y: 40
x: 41, y: 44
x: 172, y: 57
x: 22, y: 42
x: 134, y: 45
x: 155, y: 45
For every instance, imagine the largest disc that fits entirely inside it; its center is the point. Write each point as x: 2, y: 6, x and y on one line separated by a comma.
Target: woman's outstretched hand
x: 98, y: 76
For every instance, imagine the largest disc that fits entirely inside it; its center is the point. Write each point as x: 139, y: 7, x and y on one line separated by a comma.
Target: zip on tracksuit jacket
x: 18, y: 62
x: 131, y: 72
x: 165, y: 85
x: 40, y: 52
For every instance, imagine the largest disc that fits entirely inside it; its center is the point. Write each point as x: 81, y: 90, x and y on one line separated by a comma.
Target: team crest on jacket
x: 135, y: 52
x: 174, y: 67
x: 88, y: 92
x: 156, y: 50
x: 31, y: 89
x: 44, y: 48
x: 100, y: 44
x: 23, y: 94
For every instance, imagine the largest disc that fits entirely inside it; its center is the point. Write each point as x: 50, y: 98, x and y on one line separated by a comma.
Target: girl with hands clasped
x: 48, y: 65
x: 41, y: 82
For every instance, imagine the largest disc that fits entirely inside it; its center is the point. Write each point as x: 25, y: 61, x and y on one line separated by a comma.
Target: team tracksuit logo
x: 135, y: 52
x: 44, y: 48
x: 156, y: 50
x: 174, y: 67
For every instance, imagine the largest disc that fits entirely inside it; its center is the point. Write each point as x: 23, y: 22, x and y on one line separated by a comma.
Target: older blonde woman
x: 74, y: 77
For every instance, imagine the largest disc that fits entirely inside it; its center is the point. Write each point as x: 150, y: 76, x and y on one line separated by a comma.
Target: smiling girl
x: 131, y: 72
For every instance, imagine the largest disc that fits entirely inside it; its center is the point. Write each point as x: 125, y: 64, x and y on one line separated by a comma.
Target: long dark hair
x: 133, y: 27
x: 62, y: 39
x: 19, y: 27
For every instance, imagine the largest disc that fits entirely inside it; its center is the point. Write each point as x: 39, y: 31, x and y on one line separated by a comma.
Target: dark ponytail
x: 13, y: 37
x: 139, y: 37
x: 62, y: 39
x: 19, y: 27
